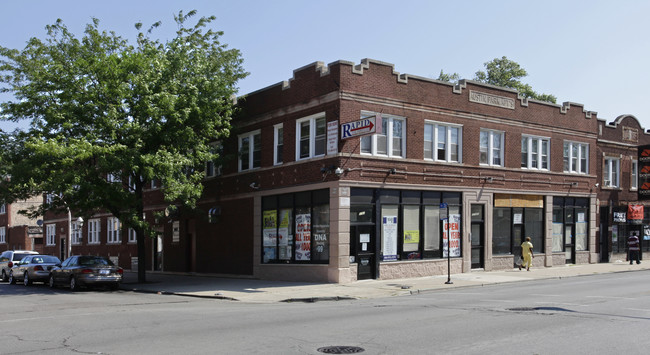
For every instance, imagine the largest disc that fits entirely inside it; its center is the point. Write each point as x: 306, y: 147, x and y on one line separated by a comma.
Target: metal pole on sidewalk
x: 444, y: 216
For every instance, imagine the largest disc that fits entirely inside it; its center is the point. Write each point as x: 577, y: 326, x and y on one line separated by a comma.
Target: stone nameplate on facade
x: 492, y: 100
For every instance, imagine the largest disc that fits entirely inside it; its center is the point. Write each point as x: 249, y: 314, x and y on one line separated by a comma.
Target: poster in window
x: 269, y: 235
x: 303, y: 237
x: 614, y: 234
x: 451, y: 229
x: 285, y: 239
x: 389, y: 247
x: 412, y: 237
x: 620, y: 217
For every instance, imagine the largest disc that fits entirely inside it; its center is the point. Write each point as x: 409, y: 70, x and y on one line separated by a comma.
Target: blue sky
x: 590, y: 52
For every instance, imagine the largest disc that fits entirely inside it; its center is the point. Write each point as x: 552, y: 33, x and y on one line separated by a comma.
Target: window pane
x: 366, y: 144
x: 428, y: 141
x: 244, y: 153
x: 411, y: 230
x: 453, y: 144
x: 566, y: 156
x: 483, y: 147
x: 502, y: 226
x: 496, y: 148
x: 442, y: 142
x: 304, y: 139
x: 321, y: 233
x: 321, y: 137
x: 432, y: 228
x: 524, y: 152
x: 257, y: 150
x: 397, y: 138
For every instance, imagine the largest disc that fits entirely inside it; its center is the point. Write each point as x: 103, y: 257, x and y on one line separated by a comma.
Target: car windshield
x: 91, y: 261
x: 45, y: 259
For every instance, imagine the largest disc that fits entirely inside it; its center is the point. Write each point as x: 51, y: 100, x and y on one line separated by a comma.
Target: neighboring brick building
x: 294, y: 200
x: 18, y: 231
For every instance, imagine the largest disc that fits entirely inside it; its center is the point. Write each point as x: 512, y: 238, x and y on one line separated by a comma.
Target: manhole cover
x: 341, y: 350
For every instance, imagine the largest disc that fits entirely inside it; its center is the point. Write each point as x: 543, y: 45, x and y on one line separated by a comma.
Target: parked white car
x: 8, y: 258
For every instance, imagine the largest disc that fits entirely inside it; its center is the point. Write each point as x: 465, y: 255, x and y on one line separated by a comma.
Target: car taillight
x: 120, y: 271
x: 10, y: 264
x: 38, y: 268
x: 87, y: 271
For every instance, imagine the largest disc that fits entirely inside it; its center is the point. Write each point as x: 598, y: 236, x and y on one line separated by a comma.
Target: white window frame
x: 113, y: 231
x: 110, y: 177
x: 537, y: 158
x: 278, y: 144
x: 492, y: 153
x: 3, y: 235
x: 50, y: 234
x: 634, y: 175
x: 133, y: 238
x: 76, y: 233
x: 611, y: 172
x: 251, y: 150
x: 575, y: 157
x: 370, y: 144
x: 94, y: 230
x: 432, y: 135
x: 317, y: 143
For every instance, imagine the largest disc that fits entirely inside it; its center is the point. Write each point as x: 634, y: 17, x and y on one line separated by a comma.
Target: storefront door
x: 364, y: 237
x: 158, y: 253
x: 569, y: 244
x: 478, y: 238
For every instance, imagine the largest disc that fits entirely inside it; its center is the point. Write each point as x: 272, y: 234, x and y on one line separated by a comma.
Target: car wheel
x: 12, y: 280
x: 51, y: 282
x: 26, y: 280
x: 4, y: 276
x: 73, y: 284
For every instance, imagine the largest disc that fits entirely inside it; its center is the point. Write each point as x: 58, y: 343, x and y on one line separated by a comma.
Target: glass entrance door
x: 364, y: 240
x: 478, y: 238
x: 569, y: 244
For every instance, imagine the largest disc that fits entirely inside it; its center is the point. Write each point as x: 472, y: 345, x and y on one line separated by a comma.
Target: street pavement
x: 264, y: 291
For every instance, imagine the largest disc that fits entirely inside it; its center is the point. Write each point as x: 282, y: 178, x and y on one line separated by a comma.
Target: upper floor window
x: 278, y: 143
x: 76, y: 232
x: 113, y: 230
x: 390, y: 142
x: 576, y: 157
x: 3, y: 235
x: 535, y: 152
x: 211, y: 169
x: 491, y: 148
x: 250, y: 150
x: 133, y: 238
x: 3, y: 208
x: 442, y: 142
x: 94, y: 227
x: 311, y: 137
x: 50, y: 234
x: 634, y: 175
x: 113, y: 178
x: 611, y: 172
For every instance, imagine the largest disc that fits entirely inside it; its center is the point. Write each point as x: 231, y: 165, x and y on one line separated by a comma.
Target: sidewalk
x: 263, y: 291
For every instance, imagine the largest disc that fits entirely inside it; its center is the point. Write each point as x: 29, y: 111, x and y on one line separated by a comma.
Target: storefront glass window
x: 411, y: 240
x: 296, y: 228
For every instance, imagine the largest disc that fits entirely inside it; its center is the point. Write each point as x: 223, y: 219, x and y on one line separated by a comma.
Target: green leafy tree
x: 100, y: 107
x: 506, y: 73
x: 450, y: 78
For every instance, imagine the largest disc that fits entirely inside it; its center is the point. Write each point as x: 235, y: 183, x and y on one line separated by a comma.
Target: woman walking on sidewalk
x: 527, y: 254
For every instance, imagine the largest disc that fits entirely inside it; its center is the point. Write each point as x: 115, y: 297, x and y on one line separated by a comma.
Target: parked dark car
x: 33, y: 268
x: 86, y: 270
x: 9, y: 257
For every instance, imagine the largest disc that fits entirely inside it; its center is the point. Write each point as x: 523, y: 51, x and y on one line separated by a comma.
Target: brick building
x: 18, y: 231
x: 301, y: 196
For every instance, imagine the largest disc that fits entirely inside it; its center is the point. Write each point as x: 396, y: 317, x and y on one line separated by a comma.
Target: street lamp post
x: 79, y: 221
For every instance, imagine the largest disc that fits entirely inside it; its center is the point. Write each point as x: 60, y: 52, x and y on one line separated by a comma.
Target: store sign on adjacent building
x: 367, y: 125
x: 619, y: 217
x: 644, y: 173
x: 635, y: 214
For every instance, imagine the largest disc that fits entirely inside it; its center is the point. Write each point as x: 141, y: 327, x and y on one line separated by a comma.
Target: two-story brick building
x: 302, y: 196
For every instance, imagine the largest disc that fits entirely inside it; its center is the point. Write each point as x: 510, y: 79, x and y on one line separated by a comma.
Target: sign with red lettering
x: 643, y: 166
x: 303, y: 237
x: 451, y: 229
x: 367, y: 125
